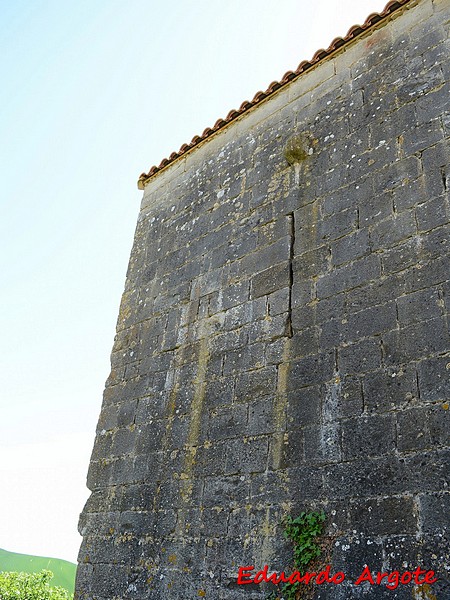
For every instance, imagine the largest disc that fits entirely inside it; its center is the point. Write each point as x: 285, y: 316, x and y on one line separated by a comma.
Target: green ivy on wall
x: 304, y: 531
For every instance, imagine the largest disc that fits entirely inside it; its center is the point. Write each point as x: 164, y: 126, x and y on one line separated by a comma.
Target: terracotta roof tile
x: 320, y: 55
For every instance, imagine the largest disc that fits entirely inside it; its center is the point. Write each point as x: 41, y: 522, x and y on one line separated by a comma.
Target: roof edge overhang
x: 319, y: 57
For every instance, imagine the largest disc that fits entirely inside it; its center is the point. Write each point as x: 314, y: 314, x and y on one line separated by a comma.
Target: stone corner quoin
x: 282, y: 343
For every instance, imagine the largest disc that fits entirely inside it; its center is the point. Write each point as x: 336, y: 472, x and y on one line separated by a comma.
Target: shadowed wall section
x: 282, y: 342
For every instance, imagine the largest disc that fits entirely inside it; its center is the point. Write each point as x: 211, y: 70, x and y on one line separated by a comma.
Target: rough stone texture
x: 282, y: 342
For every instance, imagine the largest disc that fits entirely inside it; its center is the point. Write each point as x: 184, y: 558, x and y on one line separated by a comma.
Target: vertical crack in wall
x: 291, y: 229
x: 444, y: 178
x: 280, y: 438
x: 280, y: 401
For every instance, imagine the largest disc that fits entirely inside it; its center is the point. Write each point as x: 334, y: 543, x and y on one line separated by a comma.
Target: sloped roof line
x: 305, y: 65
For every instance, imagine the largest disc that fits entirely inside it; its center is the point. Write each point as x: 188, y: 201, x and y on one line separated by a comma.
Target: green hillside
x: 63, y: 571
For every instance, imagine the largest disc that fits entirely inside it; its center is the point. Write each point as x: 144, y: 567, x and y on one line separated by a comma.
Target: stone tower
x: 282, y: 343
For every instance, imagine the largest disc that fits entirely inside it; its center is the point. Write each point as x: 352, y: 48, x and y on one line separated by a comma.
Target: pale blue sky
x: 93, y: 93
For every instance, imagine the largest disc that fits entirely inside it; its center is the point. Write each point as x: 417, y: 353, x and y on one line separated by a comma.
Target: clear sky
x: 93, y: 92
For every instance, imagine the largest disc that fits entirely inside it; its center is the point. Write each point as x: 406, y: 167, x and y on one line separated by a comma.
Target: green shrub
x: 30, y: 586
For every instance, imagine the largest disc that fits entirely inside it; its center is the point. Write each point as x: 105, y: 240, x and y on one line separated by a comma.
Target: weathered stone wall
x: 282, y: 339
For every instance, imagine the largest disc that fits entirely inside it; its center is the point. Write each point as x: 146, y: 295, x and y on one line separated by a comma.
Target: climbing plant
x: 303, y: 531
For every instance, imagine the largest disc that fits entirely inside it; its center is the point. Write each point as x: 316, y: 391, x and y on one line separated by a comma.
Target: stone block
x: 432, y: 214
x: 415, y: 341
x: 311, y: 264
x: 360, y: 357
x: 261, y: 416
x: 419, y: 306
x: 368, y: 436
x: 270, y: 280
x: 434, y: 510
x: 384, y: 516
x: 349, y: 276
x: 434, y: 379
x: 311, y: 370
x: 393, y: 230
x: 350, y: 247
x: 227, y: 422
x: 389, y: 389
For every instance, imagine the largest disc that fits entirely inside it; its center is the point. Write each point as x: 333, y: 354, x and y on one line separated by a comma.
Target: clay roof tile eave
x: 319, y: 56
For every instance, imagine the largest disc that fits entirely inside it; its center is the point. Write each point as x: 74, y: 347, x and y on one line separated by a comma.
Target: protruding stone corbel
x: 298, y: 148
